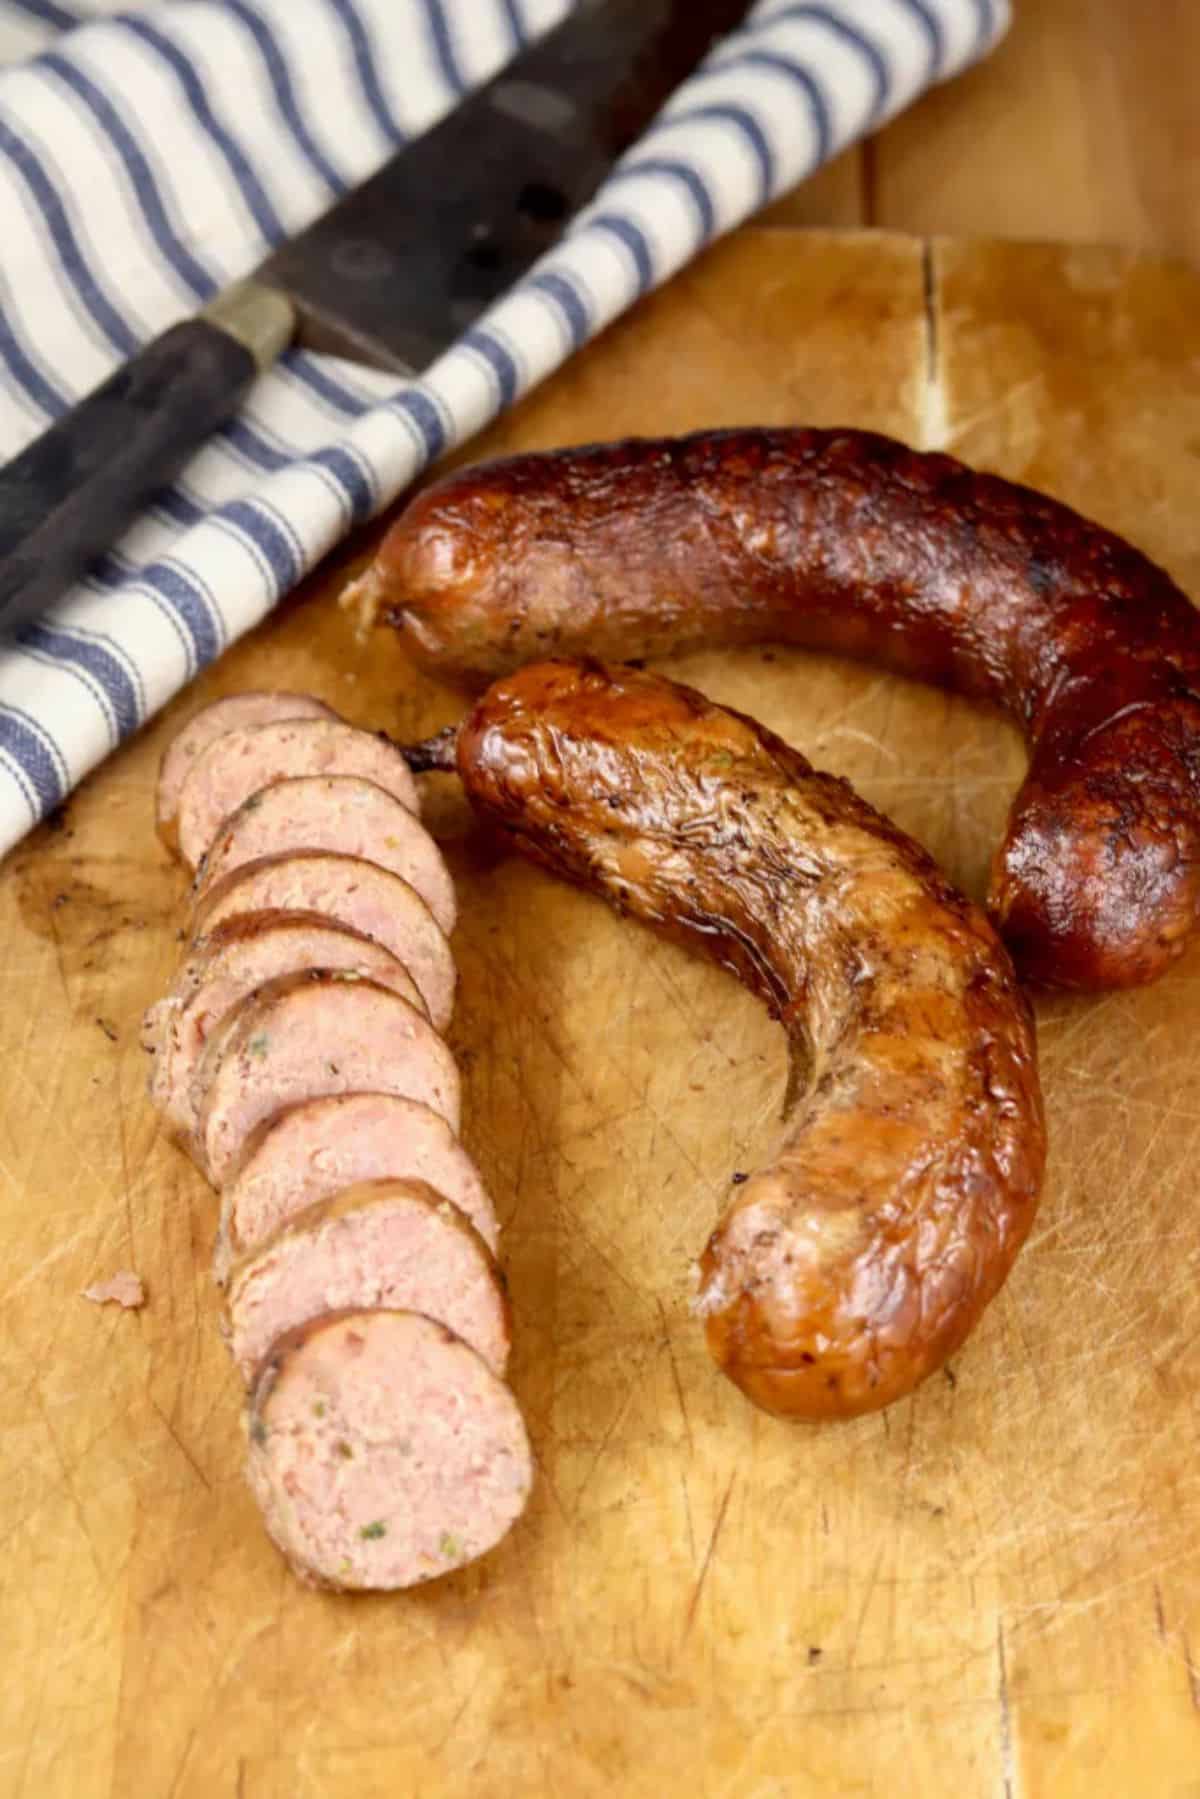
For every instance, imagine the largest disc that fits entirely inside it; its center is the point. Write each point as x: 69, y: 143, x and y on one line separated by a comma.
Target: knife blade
x: 390, y: 276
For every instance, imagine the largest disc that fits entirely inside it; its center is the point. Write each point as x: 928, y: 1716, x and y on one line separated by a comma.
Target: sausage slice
x: 204, y: 727
x: 340, y: 813
x: 399, y: 1245
x: 238, y: 956
x: 239, y: 762
x: 348, y: 891
x: 383, y: 1451
x: 303, y: 1035
x: 311, y: 1151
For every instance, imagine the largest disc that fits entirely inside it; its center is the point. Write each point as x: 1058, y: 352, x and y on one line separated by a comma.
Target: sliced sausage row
x: 298, y: 1059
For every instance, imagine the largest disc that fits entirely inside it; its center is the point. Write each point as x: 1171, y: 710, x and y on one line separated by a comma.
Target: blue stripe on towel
x: 141, y: 176
x: 35, y: 753
x: 196, y: 94
x: 634, y: 240
x: 284, y: 89
x: 58, y: 225
x: 368, y: 74
x: 689, y: 179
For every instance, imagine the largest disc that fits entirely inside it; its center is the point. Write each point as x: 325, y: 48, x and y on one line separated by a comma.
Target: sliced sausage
x: 847, y: 541
x: 340, y: 813
x: 240, y: 955
x: 240, y: 762
x: 236, y: 933
x: 383, y: 1451
x: 303, y: 1035
x: 399, y: 1245
x: 312, y: 1151
x: 204, y: 727
x: 908, y: 1169
x: 350, y: 892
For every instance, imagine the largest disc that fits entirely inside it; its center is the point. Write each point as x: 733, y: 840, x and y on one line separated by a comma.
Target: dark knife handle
x: 71, y: 493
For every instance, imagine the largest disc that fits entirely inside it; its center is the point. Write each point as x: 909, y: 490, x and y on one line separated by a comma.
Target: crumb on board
x: 124, y: 1287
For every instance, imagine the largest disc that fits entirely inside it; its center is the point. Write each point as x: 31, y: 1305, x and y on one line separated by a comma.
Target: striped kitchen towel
x: 152, y: 154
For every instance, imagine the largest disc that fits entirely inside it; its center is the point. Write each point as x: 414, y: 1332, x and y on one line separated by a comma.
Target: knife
x: 390, y: 276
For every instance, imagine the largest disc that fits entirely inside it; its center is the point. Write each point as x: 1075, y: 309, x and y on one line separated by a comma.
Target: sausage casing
x: 907, y: 1172
x: 848, y: 541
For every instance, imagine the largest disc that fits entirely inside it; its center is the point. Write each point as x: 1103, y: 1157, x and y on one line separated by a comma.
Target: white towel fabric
x: 151, y: 155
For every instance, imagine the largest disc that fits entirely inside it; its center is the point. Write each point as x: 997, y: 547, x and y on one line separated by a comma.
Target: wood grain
x: 990, y: 1590
x: 1082, y: 125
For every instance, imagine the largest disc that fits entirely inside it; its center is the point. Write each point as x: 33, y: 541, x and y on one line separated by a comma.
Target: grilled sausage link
x: 906, y: 1177
x: 847, y: 541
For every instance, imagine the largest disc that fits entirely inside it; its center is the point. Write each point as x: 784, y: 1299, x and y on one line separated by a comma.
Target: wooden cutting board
x: 991, y: 1589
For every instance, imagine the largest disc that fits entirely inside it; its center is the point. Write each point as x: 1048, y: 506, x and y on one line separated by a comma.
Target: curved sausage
x: 239, y: 762
x: 383, y: 1451
x: 203, y: 728
x: 303, y: 1035
x: 312, y: 1151
x: 340, y: 813
x: 847, y: 1268
x: 847, y: 541
x: 399, y: 1245
x: 348, y: 891
x: 229, y: 963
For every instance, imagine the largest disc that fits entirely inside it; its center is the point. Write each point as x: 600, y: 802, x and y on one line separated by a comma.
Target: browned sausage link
x: 906, y: 1177
x: 849, y: 541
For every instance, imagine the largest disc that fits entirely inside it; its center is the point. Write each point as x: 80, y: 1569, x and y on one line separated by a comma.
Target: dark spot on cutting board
x: 60, y: 904
x: 56, y: 902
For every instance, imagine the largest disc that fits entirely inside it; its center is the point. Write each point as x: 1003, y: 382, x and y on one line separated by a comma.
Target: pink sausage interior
x: 352, y: 892
x: 240, y: 762
x: 205, y: 726
x: 284, y: 943
x: 341, y: 813
x: 394, y: 1244
x: 307, y: 1035
x: 384, y: 1451
x: 314, y: 1150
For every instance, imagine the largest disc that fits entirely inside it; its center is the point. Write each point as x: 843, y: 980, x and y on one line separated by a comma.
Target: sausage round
x: 399, y: 1245
x: 340, y: 813
x: 312, y: 1151
x: 238, y: 956
x: 350, y: 892
x: 303, y: 1035
x: 847, y: 541
x: 239, y: 762
x: 203, y: 728
x: 383, y: 1451
x: 907, y: 1172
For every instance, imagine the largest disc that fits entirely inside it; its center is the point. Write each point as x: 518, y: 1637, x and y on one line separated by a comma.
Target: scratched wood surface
x: 990, y: 1590
x: 1082, y: 126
